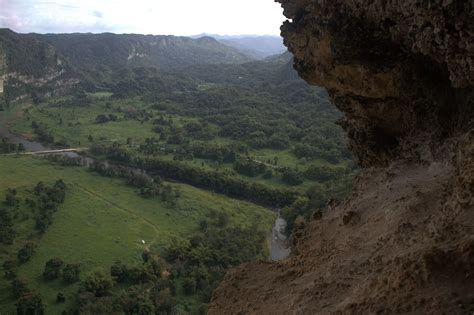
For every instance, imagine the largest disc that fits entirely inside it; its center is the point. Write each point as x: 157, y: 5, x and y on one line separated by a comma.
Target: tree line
x: 216, y: 181
x: 148, y: 186
x: 8, y: 147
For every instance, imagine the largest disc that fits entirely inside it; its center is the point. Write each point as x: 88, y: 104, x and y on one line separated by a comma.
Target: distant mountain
x: 257, y: 47
x: 166, y: 52
x: 27, y: 64
x: 97, y: 59
x: 53, y: 64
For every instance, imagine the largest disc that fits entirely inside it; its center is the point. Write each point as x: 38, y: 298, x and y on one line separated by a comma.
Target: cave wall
x: 397, y: 69
x: 402, y: 72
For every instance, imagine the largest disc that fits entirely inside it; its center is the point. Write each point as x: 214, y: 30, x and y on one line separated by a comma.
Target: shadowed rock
x: 403, y: 74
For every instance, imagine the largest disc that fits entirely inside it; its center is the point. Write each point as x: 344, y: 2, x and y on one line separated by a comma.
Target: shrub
x: 52, y: 268
x: 71, y: 273
x: 25, y: 253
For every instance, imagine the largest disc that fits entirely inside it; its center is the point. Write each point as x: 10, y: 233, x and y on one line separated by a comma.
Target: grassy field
x: 103, y: 220
x: 74, y: 125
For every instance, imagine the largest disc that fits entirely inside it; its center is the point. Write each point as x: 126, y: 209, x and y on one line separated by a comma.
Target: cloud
x: 178, y: 17
x: 97, y: 14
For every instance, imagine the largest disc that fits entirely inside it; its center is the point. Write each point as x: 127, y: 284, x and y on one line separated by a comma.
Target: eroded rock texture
x: 396, y: 68
x: 403, y: 242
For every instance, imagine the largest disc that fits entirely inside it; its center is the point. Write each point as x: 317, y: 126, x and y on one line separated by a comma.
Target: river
x: 280, y: 246
x: 14, y: 138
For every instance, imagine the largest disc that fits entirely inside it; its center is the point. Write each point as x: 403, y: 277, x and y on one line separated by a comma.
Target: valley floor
x: 103, y: 220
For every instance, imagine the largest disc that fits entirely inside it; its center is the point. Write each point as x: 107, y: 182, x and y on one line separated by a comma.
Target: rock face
x: 403, y: 74
x: 28, y: 65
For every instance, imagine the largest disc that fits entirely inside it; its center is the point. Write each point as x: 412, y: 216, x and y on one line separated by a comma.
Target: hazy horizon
x: 180, y: 17
x: 135, y: 33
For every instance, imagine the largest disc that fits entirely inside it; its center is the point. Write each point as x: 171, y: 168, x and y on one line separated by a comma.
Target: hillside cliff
x: 27, y: 64
x: 403, y: 242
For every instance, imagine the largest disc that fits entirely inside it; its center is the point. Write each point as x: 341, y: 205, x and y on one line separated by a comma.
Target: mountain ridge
x: 93, y: 59
x: 255, y: 46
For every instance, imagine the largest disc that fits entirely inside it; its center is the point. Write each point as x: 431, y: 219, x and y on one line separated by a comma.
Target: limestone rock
x: 402, y: 71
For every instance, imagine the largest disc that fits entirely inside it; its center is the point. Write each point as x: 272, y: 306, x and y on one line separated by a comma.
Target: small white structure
x: 1, y: 86
x: 143, y: 241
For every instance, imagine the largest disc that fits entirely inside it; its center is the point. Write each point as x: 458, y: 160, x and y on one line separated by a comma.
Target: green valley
x: 186, y: 152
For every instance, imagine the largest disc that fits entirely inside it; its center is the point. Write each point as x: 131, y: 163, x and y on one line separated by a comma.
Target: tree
x: 58, y: 193
x: 20, y: 287
x: 25, y: 253
x: 52, y: 268
x: 158, y: 266
x: 203, y: 224
x: 101, y: 119
x: 135, y: 301
x: 99, y: 283
x: 71, y: 273
x: 140, y: 274
x: 292, y: 177
x: 146, y: 255
x: 189, y: 285
x: 7, y: 233
x: 60, y: 298
x: 39, y: 188
x: 164, y: 301
x: 10, y: 268
x: 42, y: 221
x: 30, y: 304
x: 249, y: 167
x: 36, y: 98
x: 279, y: 141
x: 119, y: 272
x: 299, y: 208
x: 268, y: 174
x: 11, y: 199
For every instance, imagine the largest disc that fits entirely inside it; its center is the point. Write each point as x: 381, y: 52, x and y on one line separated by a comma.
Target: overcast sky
x: 177, y: 17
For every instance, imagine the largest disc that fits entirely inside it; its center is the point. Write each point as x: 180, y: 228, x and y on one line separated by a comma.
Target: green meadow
x: 102, y: 220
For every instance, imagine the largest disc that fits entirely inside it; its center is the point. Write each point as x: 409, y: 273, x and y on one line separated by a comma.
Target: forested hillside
x: 96, y: 59
x: 110, y: 52
x: 30, y: 65
x: 27, y: 55
x: 258, y: 47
